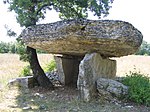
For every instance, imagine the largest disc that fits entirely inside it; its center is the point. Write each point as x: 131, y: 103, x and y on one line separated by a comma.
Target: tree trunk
x: 38, y: 72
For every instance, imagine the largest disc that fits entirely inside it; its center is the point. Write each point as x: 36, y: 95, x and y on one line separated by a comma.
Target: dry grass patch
x: 10, y: 65
x: 131, y: 63
x: 59, y: 100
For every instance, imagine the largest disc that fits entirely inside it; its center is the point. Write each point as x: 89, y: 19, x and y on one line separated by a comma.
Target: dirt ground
x: 62, y: 99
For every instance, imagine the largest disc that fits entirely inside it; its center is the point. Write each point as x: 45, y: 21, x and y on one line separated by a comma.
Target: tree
x: 4, y: 47
x: 144, y: 49
x: 29, y: 12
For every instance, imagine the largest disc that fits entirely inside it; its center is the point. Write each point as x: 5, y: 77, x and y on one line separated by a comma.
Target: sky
x: 135, y: 12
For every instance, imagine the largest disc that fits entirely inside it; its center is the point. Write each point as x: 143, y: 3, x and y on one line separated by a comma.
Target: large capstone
x: 77, y: 37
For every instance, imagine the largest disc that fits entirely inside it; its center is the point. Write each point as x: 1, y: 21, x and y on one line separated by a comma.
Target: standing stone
x: 92, y: 67
x: 68, y: 69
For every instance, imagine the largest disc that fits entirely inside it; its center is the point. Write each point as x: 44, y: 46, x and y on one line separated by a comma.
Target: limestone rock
x: 109, y: 88
x: 53, y: 77
x: 92, y: 67
x: 24, y: 82
x: 77, y: 37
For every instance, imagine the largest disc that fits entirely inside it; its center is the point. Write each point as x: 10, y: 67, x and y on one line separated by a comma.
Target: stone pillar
x: 68, y: 69
x: 92, y: 67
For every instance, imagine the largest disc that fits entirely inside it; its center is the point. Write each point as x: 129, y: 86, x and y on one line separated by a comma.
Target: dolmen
x: 83, y: 49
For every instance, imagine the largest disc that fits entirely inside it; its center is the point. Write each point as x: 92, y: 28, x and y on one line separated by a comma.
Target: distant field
x: 10, y: 65
x: 132, y: 63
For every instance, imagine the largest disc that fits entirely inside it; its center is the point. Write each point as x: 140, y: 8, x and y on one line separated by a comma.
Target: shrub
x: 26, y: 71
x: 139, y: 88
x: 50, y: 66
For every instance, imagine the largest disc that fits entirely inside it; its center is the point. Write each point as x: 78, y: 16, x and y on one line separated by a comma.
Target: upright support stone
x: 68, y: 69
x: 92, y: 67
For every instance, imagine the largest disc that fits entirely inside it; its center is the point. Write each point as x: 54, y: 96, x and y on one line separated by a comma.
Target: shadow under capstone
x: 68, y: 69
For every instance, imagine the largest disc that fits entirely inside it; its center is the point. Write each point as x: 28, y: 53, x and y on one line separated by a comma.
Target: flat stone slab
x: 109, y: 38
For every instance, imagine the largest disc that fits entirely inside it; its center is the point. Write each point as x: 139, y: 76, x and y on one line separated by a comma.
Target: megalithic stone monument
x: 94, y: 41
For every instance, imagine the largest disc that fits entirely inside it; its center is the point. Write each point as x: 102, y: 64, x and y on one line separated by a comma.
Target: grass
x: 10, y: 65
x: 129, y: 63
x: 61, y: 99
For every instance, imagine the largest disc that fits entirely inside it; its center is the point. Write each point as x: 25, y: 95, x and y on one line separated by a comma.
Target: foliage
x: 26, y: 71
x: 144, y: 49
x: 39, y: 51
x: 33, y: 10
x: 10, y: 32
x: 3, y: 48
x: 139, y: 88
x: 29, y: 12
x: 15, y: 47
x: 7, y: 47
x: 50, y: 66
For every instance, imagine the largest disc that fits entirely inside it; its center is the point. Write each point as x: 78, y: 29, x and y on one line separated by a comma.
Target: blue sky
x: 135, y: 12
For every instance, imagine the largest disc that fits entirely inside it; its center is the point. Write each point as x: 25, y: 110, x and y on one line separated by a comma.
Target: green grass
x: 51, y: 66
x: 26, y: 71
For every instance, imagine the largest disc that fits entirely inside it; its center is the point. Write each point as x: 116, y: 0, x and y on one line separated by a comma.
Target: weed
x: 50, y: 66
x: 139, y: 88
x: 26, y: 71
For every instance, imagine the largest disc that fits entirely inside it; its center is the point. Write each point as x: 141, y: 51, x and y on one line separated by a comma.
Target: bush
x: 139, y: 88
x: 50, y: 66
x: 26, y: 71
